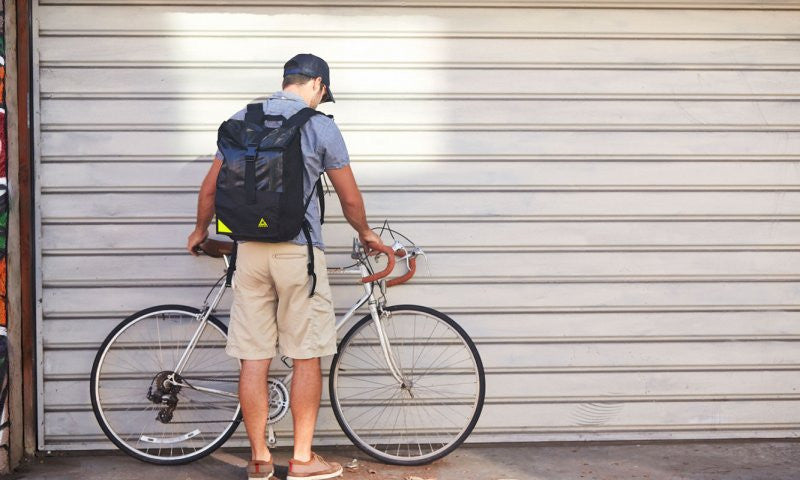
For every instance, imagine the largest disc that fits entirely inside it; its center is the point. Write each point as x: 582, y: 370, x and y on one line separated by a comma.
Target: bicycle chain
x: 211, y: 379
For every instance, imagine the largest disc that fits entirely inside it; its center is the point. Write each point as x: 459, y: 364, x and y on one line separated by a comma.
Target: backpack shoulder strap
x: 300, y: 118
x: 255, y: 113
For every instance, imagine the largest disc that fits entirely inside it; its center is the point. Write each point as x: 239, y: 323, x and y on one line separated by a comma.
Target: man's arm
x: 205, y: 207
x: 353, y: 205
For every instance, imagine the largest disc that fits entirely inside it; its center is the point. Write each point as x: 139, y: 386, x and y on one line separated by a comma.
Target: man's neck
x: 296, y: 92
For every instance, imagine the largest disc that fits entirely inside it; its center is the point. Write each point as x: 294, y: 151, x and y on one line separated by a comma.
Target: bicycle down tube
x: 204, y: 314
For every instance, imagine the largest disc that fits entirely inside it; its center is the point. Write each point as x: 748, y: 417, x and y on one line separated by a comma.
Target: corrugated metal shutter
x: 609, y: 193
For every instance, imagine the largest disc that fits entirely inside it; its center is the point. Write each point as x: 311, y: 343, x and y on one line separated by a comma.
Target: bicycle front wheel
x: 149, y: 411
x: 436, y: 406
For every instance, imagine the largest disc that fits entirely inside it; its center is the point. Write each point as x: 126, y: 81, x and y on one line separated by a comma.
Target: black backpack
x: 260, y: 193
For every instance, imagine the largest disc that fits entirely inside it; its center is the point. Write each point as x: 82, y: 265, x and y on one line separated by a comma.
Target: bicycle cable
x: 205, y: 300
x: 386, y: 227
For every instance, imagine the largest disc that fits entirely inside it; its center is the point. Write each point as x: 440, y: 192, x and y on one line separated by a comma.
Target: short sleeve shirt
x: 322, y: 146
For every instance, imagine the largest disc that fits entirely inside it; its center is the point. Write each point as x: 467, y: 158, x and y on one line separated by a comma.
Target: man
x: 271, y: 301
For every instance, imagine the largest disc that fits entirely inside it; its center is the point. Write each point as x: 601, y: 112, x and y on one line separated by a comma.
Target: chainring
x: 278, y: 400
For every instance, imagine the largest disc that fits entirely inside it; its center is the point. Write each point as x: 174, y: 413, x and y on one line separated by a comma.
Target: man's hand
x: 370, y: 240
x: 196, y: 238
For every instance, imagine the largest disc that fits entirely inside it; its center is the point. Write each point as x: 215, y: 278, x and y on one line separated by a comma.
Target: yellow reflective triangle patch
x: 222, y: 228
x: 262, y: 224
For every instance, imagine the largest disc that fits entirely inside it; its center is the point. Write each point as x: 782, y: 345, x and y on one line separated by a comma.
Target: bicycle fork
x: 388, y: 353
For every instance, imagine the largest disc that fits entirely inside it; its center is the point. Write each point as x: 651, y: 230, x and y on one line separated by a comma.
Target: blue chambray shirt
x: 323, y: 149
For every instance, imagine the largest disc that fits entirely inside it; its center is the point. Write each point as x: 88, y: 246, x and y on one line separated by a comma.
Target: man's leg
x: 305, y: 396
x: 306, y: 332
x: 255, y: 408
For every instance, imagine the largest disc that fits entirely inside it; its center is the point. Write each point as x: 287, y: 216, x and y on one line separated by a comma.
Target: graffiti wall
x: 3, y: 233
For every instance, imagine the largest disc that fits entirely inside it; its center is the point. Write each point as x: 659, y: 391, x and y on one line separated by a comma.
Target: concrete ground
x: 728, y: 460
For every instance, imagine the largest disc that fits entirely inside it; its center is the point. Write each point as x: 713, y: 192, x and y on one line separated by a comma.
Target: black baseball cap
x: 310, y: 66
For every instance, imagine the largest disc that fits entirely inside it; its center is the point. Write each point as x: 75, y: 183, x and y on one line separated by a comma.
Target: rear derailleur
x: 164, y: 390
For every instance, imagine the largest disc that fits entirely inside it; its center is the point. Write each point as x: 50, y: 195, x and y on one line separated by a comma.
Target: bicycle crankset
x: 278, y: 400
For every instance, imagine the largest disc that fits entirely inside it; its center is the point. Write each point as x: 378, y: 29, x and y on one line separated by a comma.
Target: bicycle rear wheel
x: 433, y: 412
x: 153, y: 420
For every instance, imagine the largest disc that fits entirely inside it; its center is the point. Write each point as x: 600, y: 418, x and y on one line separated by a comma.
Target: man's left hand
x: 196, y: 238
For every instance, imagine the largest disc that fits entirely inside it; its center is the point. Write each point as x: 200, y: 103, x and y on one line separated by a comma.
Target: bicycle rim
x: 131, y: 363
x: 435, y: 413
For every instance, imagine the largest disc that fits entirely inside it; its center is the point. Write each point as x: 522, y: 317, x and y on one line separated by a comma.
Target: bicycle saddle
x: 216, y: 248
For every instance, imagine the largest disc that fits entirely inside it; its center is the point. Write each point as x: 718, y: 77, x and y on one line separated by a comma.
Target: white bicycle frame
x: 368, y: 298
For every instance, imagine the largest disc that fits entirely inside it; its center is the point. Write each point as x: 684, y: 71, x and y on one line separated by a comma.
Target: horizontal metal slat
x: 400, y: 219
x: 586, y: 4
x: 439, y: 127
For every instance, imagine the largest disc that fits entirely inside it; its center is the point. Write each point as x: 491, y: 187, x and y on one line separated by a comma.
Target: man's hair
x: 295, y: 79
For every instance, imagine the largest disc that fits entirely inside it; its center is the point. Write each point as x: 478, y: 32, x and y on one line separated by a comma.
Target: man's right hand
x: 370, y: 240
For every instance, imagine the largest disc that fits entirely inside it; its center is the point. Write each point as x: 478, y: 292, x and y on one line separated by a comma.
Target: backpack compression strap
x: 255, y: 114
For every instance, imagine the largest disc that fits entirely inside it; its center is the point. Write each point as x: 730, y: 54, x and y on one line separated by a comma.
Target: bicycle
x: 407, y: 385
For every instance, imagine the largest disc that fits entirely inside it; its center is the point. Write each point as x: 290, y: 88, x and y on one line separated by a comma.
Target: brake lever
x: 424, y: 255
x: 412, y: 252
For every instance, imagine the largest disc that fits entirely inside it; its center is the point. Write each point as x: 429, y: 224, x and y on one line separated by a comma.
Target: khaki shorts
x: 271, y: 308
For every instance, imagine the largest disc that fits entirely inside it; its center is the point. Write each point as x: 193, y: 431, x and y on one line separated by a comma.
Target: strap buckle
x: 252, y: 150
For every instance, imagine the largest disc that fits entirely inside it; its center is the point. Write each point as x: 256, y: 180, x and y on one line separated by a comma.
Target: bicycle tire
x: 360, y: 438
x: 97, y: 402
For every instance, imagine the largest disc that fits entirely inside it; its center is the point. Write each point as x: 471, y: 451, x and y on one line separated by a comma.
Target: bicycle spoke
x: 160, y: 353
x: 373, y: 382
x: 378, y: 353
x: 366, y: 391
x: 459, y: 414
x: 376, y: 364
x: 366, y: 411
x: 439, y: 366
x: 385, y: 409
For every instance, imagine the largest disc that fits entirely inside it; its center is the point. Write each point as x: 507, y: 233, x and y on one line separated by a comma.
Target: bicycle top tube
x: 221, y: 248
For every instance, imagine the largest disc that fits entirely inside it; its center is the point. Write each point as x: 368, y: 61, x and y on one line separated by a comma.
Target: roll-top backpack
x: 260, y: 188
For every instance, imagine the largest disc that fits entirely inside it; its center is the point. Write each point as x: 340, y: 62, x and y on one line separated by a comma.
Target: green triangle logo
x: 222, y: 228
x: 262, y: 224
